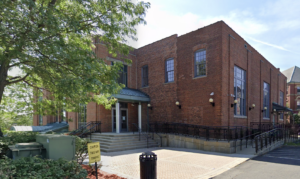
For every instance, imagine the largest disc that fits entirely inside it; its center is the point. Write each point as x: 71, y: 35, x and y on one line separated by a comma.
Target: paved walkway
x: 173, y: 163
x: 280, y: 163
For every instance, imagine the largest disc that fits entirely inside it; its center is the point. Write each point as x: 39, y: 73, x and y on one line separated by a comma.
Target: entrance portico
x: 120, y: 112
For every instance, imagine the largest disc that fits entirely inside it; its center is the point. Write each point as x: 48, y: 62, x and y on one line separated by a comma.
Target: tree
x: 51, y: 42
x: 16, y: 106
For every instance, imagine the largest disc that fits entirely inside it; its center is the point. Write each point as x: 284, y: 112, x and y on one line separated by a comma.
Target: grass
x: 297, y: 143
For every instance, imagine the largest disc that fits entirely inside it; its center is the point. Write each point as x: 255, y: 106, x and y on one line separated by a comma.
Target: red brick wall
x: 258, y: 70
x: 163, y: 95
x: 292, y: 96
x: 222, y: 54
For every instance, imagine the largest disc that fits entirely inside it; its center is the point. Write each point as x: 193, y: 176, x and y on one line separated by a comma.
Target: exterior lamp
x: 178, y: 104
x: 212, y: 102
x: 234, y: 103
x: 274, y: 111
x: 252, y: 107
x: 149, y: 106
x: 265, y: 108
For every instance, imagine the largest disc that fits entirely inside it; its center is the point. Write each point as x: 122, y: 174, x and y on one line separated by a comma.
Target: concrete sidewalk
x: 173, y: 163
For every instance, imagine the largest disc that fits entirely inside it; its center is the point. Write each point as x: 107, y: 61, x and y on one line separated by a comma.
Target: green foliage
x: 33, y: 168
x: 16, y: 106
x: 12, y: 138
x: 81, y: 148
x: 51, y: 42
x: 297, y: 118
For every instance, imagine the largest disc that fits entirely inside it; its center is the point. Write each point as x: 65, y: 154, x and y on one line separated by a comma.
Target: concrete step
x: 138, y: 145
x: 108, y: 143
x: 120, y: 142
x: 127, y: 148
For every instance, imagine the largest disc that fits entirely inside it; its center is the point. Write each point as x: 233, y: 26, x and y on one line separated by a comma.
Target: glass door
x: 124, y: 120
x: 114, y: 119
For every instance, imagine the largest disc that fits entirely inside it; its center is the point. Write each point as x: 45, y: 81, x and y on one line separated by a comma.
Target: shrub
x: 81, y: 148
x: 12, y: 138
x: 35, y: 168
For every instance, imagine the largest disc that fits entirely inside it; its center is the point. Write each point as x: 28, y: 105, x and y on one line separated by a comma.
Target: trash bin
x: 148, y: 165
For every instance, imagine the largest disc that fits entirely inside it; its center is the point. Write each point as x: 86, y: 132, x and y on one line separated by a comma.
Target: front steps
x: 112, y: 142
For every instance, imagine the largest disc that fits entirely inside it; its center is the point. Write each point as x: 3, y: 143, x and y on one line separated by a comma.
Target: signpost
x: 94, y: 154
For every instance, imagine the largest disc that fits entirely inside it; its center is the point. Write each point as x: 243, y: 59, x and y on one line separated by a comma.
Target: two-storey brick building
x: 293, y: 88
x: 210, y: 76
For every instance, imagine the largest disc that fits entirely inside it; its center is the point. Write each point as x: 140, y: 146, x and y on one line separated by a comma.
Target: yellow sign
x: 94, y: 152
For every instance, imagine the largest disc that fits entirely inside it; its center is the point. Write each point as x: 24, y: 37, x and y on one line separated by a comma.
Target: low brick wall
x: 178, y: 141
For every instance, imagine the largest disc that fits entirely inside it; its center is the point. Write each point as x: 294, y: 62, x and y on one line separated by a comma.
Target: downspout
x: 260, y: 102
x: 229, y: 72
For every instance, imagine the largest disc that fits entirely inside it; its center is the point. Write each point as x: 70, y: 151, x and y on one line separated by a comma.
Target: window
x: 200, y: 63
x: 298, y: 104
x: 82, y: 115
x: 145, y: 76
x: 240, y: 91
x: 122, y: 75
x: 281, y: 102
x: 169, y: 68
x: 298, y: 89
x: 266, y: 100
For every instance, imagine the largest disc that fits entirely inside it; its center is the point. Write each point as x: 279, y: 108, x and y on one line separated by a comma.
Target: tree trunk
x: 1, y: 134
x: 3, y: 75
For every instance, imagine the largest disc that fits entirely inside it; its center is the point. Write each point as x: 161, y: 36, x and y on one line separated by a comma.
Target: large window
x: 266, y: 100
x: 145, y: 76
x: 240, y: 91
x: 298, y: 89
x: 281, y: 102
x: 200, y: 63
x: 82, y: 115
x: 169, y: 68
x: 122, y: 75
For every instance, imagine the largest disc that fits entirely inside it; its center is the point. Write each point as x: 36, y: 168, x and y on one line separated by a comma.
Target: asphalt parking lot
x: 281, y: 163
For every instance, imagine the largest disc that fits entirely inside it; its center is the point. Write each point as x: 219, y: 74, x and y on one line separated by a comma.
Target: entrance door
x: 123, y: 120
x: 114, y: 119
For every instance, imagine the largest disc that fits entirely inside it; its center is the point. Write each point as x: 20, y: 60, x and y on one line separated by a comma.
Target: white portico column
x: 140, y: 115
x: 117, y: 117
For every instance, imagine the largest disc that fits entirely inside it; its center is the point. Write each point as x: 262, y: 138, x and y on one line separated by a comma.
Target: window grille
x: 200, y: 63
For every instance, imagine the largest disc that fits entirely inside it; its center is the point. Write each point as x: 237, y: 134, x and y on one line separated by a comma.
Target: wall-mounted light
x: 234, y: 103
x: 252, y: 107
x: 212, y: 102
x: 149, y: 106
x: 178, y: 104
x: 265, y: 108
x: 274, y: 111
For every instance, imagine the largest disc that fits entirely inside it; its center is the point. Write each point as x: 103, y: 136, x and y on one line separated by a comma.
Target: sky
x: 271, y: 26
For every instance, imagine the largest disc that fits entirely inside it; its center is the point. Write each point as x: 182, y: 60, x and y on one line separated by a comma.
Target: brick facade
x: 224, y: 50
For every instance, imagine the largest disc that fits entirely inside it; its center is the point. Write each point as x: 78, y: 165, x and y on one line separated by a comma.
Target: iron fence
x: 198, y: 131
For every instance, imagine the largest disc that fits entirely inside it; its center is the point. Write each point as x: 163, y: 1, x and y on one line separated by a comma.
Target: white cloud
x: 161, y: 24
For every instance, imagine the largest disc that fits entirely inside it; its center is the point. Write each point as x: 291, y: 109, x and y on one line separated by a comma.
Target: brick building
x: 210, y: 76
x: 293, y: 88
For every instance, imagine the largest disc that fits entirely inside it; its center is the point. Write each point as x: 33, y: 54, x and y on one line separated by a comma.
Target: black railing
x: 198, y: 131
x: 84, y: 131
x: 149, y: 128
x: 139, y: 130
x: 80, y: 129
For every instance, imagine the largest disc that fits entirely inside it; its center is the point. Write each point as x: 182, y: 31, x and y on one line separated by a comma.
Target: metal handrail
x: 251, y: 137
x: 267, y: 138
x: 140, y: 132
x: 156, y: 134
x: 80, y: 128
x: 90, y: 130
